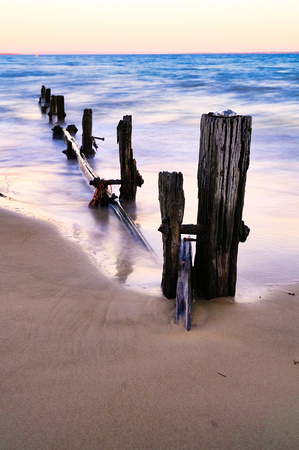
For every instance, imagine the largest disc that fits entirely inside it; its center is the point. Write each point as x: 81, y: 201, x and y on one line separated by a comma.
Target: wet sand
x: 85, y: 363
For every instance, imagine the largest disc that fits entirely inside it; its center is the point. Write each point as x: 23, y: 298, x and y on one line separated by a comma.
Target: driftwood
x: 73, y: 147
x: 222, y: 167
x: 172, y: 203
x: 184, y: 284
x: 101, y: 184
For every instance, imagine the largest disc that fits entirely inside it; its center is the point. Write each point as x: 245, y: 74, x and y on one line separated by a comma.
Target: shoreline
x: 246, y: 289
x: 87, y: 363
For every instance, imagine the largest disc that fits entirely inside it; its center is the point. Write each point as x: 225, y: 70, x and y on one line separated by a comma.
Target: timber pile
x: 222, y: 167
x: 177, y: 252
x: 172, y: 204
x: 223, y: 164
x: 54, y: 104
x: 89, y: 145
x: 129, y: 178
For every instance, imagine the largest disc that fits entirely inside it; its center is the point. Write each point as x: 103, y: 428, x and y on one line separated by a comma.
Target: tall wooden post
x: 130, y: 177
x: 87, y: 132
x: 172, y: 204
x: 222, y: 167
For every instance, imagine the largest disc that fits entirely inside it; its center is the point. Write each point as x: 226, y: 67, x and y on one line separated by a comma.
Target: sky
x: 151, y: 26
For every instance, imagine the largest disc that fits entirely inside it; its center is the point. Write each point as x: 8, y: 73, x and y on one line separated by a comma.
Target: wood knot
x: 245, y: 230
x: 164, y: 228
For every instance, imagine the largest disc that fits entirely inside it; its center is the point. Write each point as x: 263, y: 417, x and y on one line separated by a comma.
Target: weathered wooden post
x: 130, y: 176
x: 222, y: 167
x: 184, y: 284
x: 48, y: 95
x: 72, y: 129
x: 42, y: 94
x: 60, y: 107
x: 53, y: 107
x: 86, y: 147
x: 172, y: 204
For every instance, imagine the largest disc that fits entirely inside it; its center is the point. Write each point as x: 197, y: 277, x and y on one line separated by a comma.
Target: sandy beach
x: 88, y: 364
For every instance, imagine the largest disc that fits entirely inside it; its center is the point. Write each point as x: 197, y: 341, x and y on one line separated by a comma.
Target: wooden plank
x: 184, y: 284
x: 199, y: 230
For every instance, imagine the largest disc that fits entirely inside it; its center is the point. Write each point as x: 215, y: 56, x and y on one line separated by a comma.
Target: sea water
x: 166, y: 96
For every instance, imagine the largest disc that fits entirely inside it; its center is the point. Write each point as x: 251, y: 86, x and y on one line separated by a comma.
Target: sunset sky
x: 153, y: 26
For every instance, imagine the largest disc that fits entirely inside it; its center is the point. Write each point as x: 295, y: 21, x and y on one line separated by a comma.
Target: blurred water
x: 166, y: 95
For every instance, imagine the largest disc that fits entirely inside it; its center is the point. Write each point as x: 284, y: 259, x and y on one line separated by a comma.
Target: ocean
x: 166, y: 96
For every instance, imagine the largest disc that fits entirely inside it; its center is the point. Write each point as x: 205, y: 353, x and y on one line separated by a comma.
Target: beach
x: 87, y: 363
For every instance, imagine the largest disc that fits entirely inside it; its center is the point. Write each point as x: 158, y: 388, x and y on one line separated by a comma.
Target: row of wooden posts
x: 52, y: 104
x: 130, y: 177
x: 222, y: 167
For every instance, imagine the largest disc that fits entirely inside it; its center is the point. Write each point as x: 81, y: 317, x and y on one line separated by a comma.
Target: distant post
x: 60, y: 107
x: 42, y: 94
x: 222, y: 167
x: 130, y: 177
x: 48, y: 95
x: 53, y: 107
x: 172, y: 204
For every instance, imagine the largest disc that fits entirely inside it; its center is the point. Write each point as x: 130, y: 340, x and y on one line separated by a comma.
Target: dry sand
x: 87, y: 364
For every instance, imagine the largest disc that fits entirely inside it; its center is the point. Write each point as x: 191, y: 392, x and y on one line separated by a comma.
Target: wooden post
x: 72, y: 129
x: 48, y: 95
x: 223, y: 163
x: 53, y: 107
x: 130, y: 177
x: 60, y: 107
x: 87, y: 133
x: 42, y: 94
x: 69, y: 152
x: 184, y: 285
x: 172, y: 204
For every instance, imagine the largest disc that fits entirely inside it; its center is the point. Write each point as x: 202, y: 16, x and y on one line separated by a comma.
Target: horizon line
x: 149, y: 53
